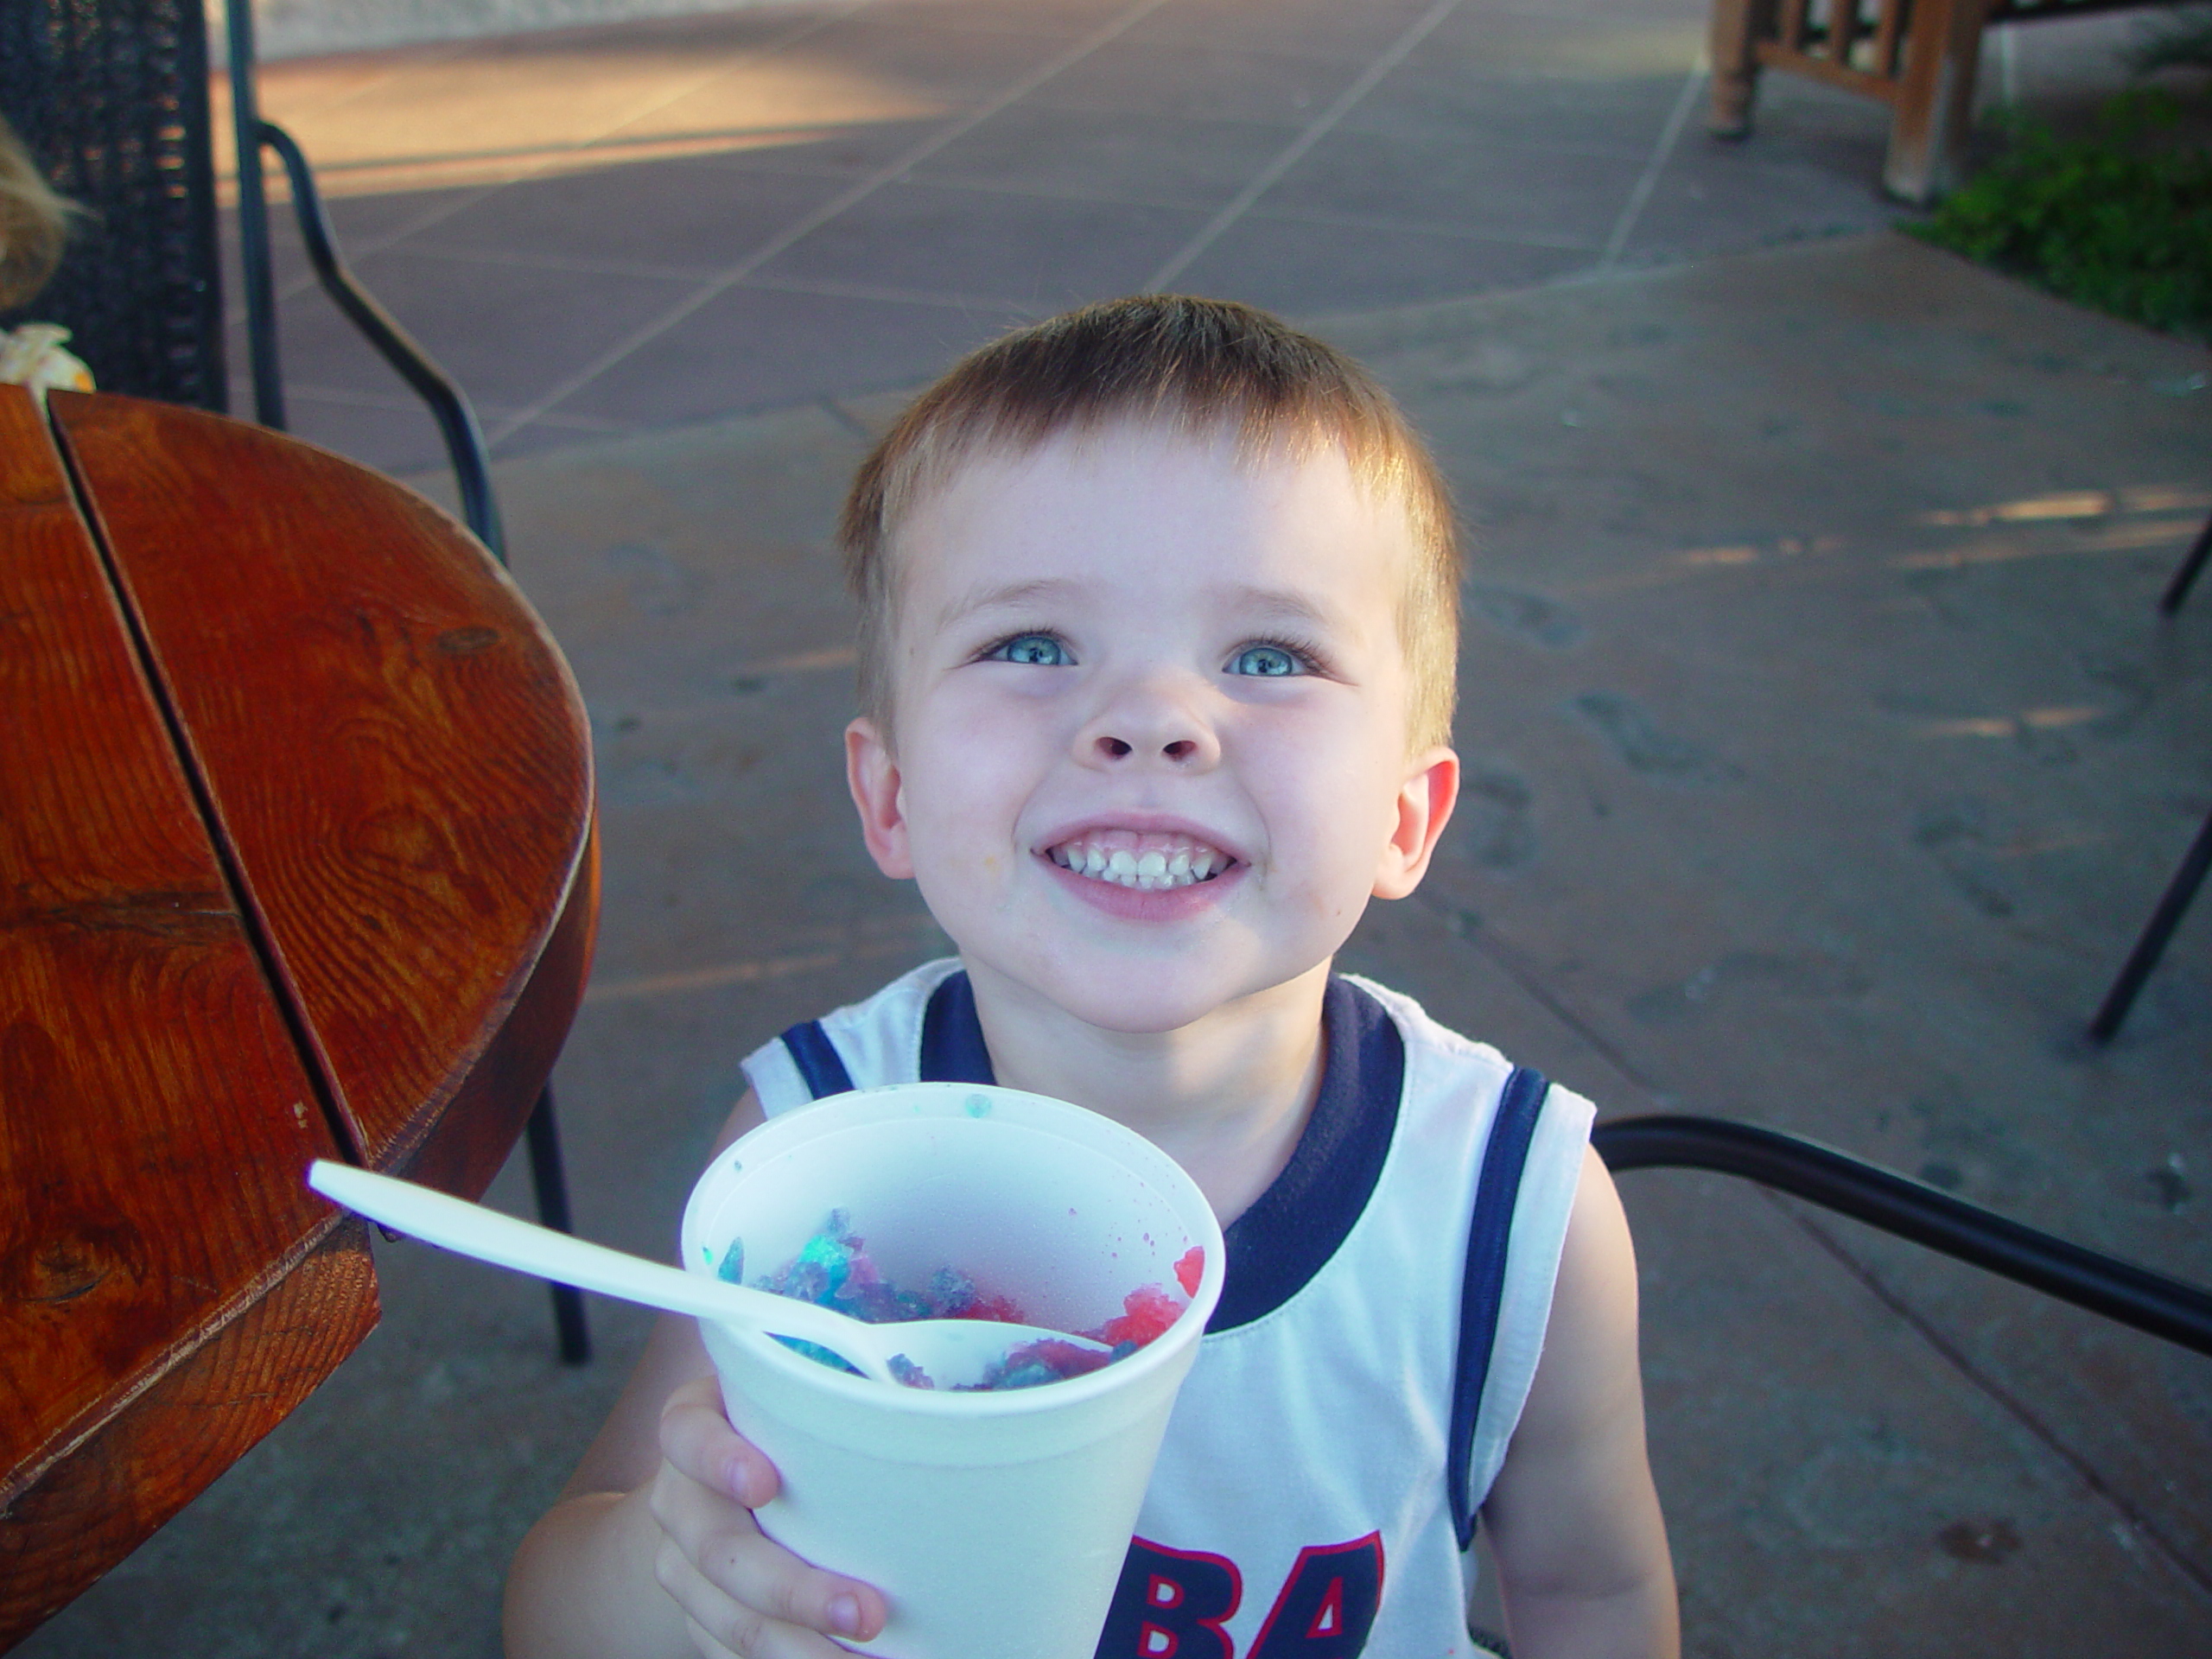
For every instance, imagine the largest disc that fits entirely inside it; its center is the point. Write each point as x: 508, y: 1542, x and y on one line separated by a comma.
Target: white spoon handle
x: 489, y: 1236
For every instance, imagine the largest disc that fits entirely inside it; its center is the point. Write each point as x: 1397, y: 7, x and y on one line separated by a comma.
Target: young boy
x: 1157, y: 656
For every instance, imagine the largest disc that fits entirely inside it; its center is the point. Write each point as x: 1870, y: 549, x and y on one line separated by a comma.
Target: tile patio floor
x: 1823, y: 750
x: 607, y: 229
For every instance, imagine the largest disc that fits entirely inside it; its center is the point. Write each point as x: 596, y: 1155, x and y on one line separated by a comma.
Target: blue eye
x: 1265, y: 662
x: 1035, y: 650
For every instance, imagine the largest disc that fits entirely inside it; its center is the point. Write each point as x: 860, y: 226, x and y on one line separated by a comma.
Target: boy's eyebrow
x: 1007, y: 595
x: 1259, y: 604
x: 1284, y: 604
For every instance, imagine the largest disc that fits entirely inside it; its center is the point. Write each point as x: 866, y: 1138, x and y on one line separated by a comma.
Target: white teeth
x: 1150, y: 862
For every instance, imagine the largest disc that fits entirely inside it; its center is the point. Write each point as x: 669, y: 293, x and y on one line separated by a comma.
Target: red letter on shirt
x: 1171, y: 1604
x: 1328, y: 1605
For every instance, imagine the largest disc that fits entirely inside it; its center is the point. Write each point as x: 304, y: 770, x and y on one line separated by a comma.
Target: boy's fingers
x: 727, y: 1573
x: 747, y: 1596
x: 696, y: 1438
x: 708, y: 1648
x: 720, y: 1628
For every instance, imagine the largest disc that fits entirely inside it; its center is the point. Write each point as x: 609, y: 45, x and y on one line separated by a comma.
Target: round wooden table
x: 296, y: 860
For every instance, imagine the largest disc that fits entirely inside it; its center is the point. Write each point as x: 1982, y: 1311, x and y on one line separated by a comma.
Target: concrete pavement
x: 1824, y: 754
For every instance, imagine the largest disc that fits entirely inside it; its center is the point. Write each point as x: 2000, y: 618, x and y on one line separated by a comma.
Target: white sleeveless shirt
x: 1304, y: 1502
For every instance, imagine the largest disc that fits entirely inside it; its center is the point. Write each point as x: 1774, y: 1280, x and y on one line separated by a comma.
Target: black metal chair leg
x: 2152, y: 945
x: 2177, y: 589
x: 254, y: 263
x: 551, y: 1183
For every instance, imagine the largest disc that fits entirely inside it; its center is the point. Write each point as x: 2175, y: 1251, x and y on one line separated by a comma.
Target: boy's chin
x: 1145, y: 999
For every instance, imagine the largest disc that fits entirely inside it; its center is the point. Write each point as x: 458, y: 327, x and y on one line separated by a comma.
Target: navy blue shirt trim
x: 1497, y: 1188
x: 1295, y: 1226
x: 819, y: 1063
x: 952, y: 1036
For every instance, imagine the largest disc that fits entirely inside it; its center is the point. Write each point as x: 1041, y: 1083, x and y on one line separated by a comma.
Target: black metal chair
x: 2174, y: 904
x: 111, y: 98
x: 2148, y: 1302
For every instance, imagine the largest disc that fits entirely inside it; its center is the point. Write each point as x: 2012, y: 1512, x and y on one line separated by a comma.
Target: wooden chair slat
x: 1922, y: 63
x: 1843, y: 31
x: 1888, y: 36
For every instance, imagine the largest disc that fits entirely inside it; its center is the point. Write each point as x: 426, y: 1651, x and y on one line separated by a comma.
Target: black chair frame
x: 2170, y: 1308
x: 2174, y: 904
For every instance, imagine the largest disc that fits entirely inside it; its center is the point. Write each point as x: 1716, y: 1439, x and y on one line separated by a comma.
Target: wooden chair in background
x: 1917, y: 56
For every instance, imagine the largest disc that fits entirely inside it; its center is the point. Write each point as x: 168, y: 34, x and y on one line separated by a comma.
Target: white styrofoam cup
x: 995, y: 1523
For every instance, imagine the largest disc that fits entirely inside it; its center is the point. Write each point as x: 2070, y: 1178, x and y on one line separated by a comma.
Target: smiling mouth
x: 1148, y: 862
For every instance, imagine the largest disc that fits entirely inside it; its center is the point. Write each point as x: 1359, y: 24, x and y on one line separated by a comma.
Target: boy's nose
x: 1142, y: 729
x: 1115, y: 748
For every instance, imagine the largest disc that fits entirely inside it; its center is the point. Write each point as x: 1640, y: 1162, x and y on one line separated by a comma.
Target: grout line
x: 1923, y: 1326
x: 1288, y: 156
x: 815, y: 220
x: 688, y: 982
x: 408, y: 403
x: 1661, y: 151
x: 811, y: 24
x: 345, y: 397
x: 982, y: 187
x: 1502, y: 954
x: 834, y: 407
x: 1384, y: 222
x: 573, y: 265
x: 457, y: 200
x: 967, y: 303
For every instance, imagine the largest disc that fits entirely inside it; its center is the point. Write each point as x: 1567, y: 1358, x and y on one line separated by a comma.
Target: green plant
x: 2120, y: 220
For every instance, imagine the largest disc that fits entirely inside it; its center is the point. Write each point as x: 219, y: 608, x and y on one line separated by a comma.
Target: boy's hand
x: 741, y: 1592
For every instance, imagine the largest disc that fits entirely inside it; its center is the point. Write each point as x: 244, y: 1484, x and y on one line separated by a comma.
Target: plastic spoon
x: 954, y: 1352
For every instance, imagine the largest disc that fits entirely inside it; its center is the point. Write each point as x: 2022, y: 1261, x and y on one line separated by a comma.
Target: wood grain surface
x: 154, y: 1114
x: 138, y: 1469
x: 431, y: 823
x: 297, y: 860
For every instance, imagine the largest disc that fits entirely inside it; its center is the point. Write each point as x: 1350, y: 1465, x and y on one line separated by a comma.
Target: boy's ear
x: 872, y: 774
x: 1431, y: 790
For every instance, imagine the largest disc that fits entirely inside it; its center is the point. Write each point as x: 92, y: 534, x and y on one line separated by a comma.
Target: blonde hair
x: 33, y: 223
x: 1197, y: 366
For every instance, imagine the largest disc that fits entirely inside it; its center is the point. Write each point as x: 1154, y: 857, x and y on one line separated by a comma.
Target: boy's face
x: 1150, y: 721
